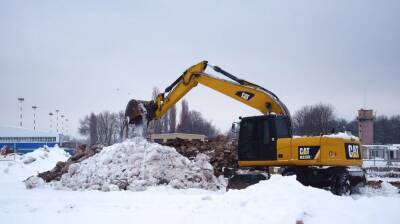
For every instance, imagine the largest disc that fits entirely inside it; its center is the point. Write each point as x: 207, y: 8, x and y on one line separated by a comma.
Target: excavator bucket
x: 139, y: 112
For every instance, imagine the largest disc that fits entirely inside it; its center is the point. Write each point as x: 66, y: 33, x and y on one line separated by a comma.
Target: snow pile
x: 344, y: 135
x: 137, y: 164
x: 45, y: 156
x: 23, y: 166
x: 284, y: 200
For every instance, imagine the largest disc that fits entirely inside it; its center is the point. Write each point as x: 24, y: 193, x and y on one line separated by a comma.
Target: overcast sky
x: 74, y: 55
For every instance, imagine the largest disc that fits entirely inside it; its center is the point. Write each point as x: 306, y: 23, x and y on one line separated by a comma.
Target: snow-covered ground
x: 19, y: 167
x: 278, y: 200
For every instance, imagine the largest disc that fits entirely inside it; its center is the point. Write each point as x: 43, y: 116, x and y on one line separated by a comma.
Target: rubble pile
x: 82, y: 152
x: 132, y: 165
x: 221, y: 151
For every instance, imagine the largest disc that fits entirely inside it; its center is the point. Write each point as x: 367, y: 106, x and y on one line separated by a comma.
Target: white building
x: 25, y: 140
x: 386, y: 152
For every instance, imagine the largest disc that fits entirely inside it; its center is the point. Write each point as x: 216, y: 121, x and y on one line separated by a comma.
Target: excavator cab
x: 258, y: 136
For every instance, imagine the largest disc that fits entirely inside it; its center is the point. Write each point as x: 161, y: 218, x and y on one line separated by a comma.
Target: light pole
x: 20, y: 100
x: 51, y: 121
x: 62, y: 124
x: 66, y: 126
x: 57, y: 119
x: 34, y: 117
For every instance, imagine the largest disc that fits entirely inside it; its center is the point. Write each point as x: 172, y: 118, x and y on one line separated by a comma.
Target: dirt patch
x: 376, y: 184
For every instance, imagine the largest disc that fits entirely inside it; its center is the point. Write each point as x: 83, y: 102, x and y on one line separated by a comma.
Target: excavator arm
x: 248, y: 93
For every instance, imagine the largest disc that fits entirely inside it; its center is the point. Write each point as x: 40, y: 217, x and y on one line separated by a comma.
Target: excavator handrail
x: 240, y: 81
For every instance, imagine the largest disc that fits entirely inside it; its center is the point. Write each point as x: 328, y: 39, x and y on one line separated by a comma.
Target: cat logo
x: 304, y: 152
x: 308, y: 152
x: 352, y: 151
x: 244, y: 95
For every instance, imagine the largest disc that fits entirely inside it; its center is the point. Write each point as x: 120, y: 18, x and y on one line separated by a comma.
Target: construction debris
x: 132, y: 165
x: 82, y: 152
x: 221, y: 151
x: 377, y: 184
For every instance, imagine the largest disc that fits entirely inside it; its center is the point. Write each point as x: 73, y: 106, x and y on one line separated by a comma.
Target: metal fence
x: 381, y: 162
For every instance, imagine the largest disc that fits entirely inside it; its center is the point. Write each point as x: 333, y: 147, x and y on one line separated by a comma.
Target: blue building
x: 24, y: 140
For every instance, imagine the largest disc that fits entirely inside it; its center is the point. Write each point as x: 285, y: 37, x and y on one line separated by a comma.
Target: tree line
x: 387, y: 129
x: 107, y: 127
x: 190, y: 121
x: 321, y: 119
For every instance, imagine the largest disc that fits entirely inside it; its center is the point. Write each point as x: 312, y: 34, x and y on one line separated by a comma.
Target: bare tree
x: 120, y: 118
x: 165, y: 123
x: 198, y: 125
x: 84, y: 126
x: 93, y: 129
x: 315, y: 120
x: 193, y: 122
x: 387, y: 129
x: 184, y: 119
x: 107, y: 127
x: 155, y: 126
x: 352, y: 126
x: 172, y: 119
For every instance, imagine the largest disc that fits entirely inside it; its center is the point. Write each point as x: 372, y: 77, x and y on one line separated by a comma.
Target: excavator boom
x: 138, y: 111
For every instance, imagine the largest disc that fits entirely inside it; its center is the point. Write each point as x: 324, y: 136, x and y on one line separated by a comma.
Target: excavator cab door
x: 257, y: 139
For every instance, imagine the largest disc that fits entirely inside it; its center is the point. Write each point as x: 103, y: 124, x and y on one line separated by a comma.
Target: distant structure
x: 163, y: 138
x: 389, y: 153
x: 23, y: 140
x: 366, y: 126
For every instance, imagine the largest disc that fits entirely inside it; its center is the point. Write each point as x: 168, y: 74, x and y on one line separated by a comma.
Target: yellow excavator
x: 328, y: 161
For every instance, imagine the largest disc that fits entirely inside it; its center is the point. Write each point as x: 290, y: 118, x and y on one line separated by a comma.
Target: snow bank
x: 46, y: 156
x: 277, y: 200
x: 137, y: 164
x: 284, y: 200
x: 386, y: 190
x: 23, y: 166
